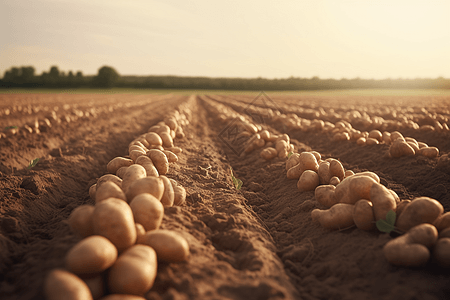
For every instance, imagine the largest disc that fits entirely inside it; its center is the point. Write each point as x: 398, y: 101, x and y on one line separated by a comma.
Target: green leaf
x: 290, y: 153
x: 384, y: 226
x: 33, y: 163
x: 237, y: 182
x: 390, y: 217
x: 10, y: 127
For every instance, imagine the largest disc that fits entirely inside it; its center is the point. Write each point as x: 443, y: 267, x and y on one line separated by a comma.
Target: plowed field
x: 258, y: 242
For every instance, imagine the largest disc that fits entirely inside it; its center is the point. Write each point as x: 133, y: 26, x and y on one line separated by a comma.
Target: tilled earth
x: 254, y: 243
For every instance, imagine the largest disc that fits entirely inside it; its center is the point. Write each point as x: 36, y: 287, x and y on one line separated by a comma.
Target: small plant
x: 387, y: 225
x: 10, y: 127
x: 236, y: 181
x: 33, y: 163
x: 289, y: 154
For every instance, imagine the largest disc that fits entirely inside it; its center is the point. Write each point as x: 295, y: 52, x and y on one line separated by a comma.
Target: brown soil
x: 254, y: 243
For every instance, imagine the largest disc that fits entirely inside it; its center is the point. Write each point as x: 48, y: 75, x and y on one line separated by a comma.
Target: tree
x: 107, y: 77
x: 54, y: 72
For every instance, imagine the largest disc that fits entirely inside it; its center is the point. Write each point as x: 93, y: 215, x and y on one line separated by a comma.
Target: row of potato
x: 121, y: 240
x: 360, y: 200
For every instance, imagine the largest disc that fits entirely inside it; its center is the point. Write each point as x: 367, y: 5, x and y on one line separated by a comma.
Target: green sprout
x: 387, y: 225
x: 290, y: 153
x: 10, y: 127
x: 33, y: 163
x: 236, y: 181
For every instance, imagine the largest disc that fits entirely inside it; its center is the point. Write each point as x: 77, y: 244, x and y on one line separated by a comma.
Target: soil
x: 258, y: 242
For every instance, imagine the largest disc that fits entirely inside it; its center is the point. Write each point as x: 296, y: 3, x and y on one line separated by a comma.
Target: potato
x: 265, y: 135
x: 137, y: 148
x: 401, y: 206
x: 282, y: 148
x: 60, y: 284
x: 109, y: 177
x: 396, y: 135
x: 370, y: 174
x: 361, y: 141
x: 383, y: 201
x: 169, y: 245
x: 80, y: 220
x: 308, y: 181
x: 324, y: 172
x: 176, y: 150
x: 160, y: 160
x: 91, y: 255
x: 307, y: 161
x: 268, y: 153
x: 179, y: 193
x: 430, y: 152
x: 151, y: 185
x: 134, y: 272
x: 293, y: 160
x: 122, y: 297
x: 401, y: 148
x: 376, y: 134
x: 387, y: 137
x: 317, y: 155
x: 134, y: 154
x: 348, y: 173
x: 336, y: 169
x: 121, y: 172
x: 363, y: 215
x: 168, y: 196
x: 324, y: 194
x: 148, y: 165
x: 442, y: 222
x: 335, y: 180
x: 179, y: 134
x: 92, y: 191
x: 441, y: 252
x: 354, y: 188
x: 140, y: 231
x: 411, y: 249
x: 371, y: 141
x: 117, y: 163
x: 109, y: 190
x: 133, y: 173
x: 171, y: 122
x: 171, y: 157
x: 167, y: 139
x: 420, y: 210
x: 422, y: 145
x: 147, y: 211
x: 444, y: 233
x: 114, y: 220
x: 96, y: 285
x: 339, y: 216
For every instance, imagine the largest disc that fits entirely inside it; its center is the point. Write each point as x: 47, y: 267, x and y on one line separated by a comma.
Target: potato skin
x: 114, y: 220
x: 151, y: 185
x: 420, y: 210
x: 118, y: 162
x: 269, y: 153
x: 179, y: 193
x: 383, y: 201
x: 160, y: 160
x: 169, y: 245
x: 61, y: 284
x: 153, y: 138
x: 363, y: 215
x: 134, y: 271
x: 307, y: 161
x: 443, y: 221
x: 441, y: 252
x: 430, y: 152
x: 401, y: 148
x: 91, y: 255
x: 148, y: 165
x: 109, y: 177
x: 147, y: 211
x: 308, y: 181
x: 96, y: 285
x: 293, y: 160
x: 109, y: 190
x: 324, y: 172
x: 133, y: 172
x: 336, y: 169
x: 339, y: 216
x: 80, y: 220
x: 168, y: 196
x: 411, y: 249
x: 354, y: 188
x: 325, y: 195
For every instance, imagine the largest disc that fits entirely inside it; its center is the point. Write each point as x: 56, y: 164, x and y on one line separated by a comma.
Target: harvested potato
x: 293, y: 160
x: 133, y: 173
x: 80, y: 220
x: 348, y: 173
x: 420, y: 210
x: 176, y: 150
x: 91, y: 255
x: 268, y: 153
x: 376, y: 134
x: 411, y: 249
x: 168, y: 196
x: 361, y: 141
x: 109, y: 177
x: 121, y: 171
x: 354, y: 188
x: 171, y: 122
x: 180, y: 193
x: 171, y: 157
x: 441, y: 252
x: 442, y: 222
x: 282, y: 148
x: 92, y: 191
x: 324, y: 172
x: 61, y: 284
x: 414, y: 146
x: 430, y: 152
x: 307, y: 161
x: 117, y: 163
x: 371, y: 141
x: 336, y: 169
x: 166, y: 139
x: 339, y: 216
x: 134, y: 272
x: 134, y: 154
x: 401, y: 148
x: 387, y: 137
x: 444, y: 233
x: 114, y: 220
x: 422, y: 145
x: 324, y: 194
x: 109, y: 190
x: 363, y: 215
x: 308, y: 181
x: 147, y: 211
x: 317, y: 155
x: 334, y: 180
x: 169, y: 245
x: 151, y: 185
x: 148, y: 165
x: 96, y: 285
x: 160, y: 160
x: 140, y: 231
x: 401, y: 206
x: 395, y: 135
x: 383, y: 201
x: 265, y: 135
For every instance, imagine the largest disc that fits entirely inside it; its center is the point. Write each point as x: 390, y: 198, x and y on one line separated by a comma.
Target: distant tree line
x: 108, y: 77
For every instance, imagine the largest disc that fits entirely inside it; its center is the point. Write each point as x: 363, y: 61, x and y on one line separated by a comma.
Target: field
x: 256, y: 242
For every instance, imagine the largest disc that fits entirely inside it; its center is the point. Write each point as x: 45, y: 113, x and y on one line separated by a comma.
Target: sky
x: 272, y: 39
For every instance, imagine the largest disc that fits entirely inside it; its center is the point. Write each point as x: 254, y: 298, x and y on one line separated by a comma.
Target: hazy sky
x: 272, y: 39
